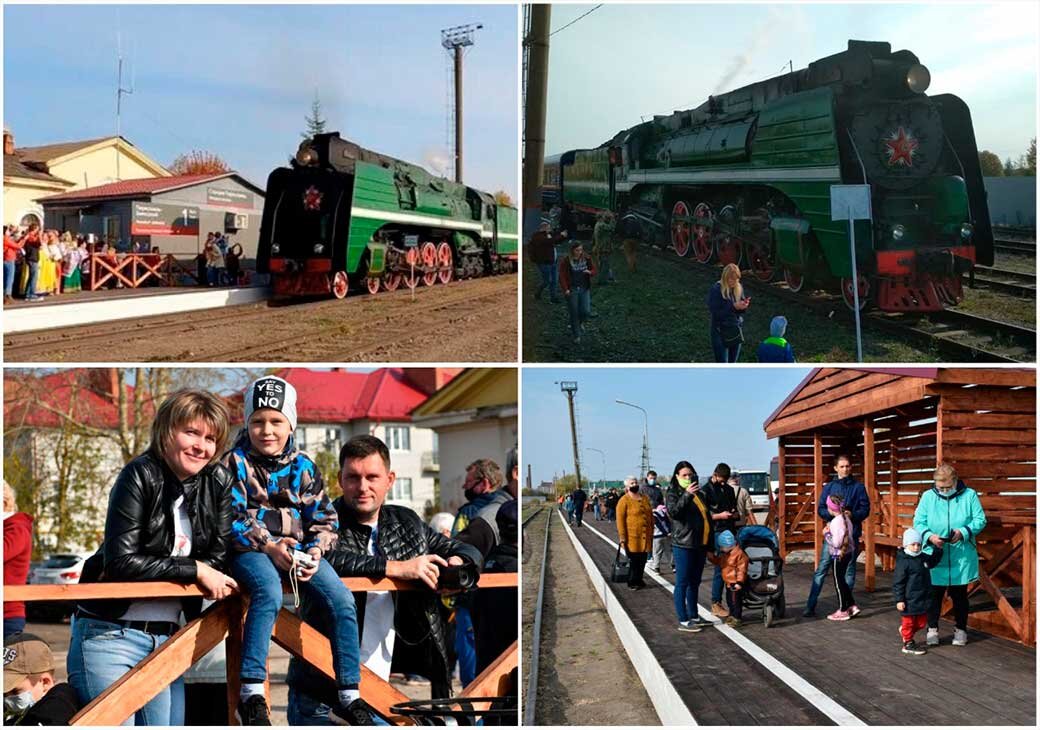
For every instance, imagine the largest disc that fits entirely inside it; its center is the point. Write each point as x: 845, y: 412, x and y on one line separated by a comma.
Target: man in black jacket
x: 578, y: 498
x: 378, y: 540
x: 722, y: 502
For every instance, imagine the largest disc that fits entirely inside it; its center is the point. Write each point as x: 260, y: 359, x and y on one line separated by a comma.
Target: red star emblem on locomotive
x: 901, y: 147
x: 312, y: 198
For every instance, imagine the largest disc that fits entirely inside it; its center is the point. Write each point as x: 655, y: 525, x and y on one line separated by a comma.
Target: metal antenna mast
x: 119, y: 98
x: 454, y: 40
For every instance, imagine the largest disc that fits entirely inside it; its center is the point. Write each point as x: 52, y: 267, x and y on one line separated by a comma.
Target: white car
x: 57, y: 569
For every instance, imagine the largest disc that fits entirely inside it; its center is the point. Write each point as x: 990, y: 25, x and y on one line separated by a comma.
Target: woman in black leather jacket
x: 691, y: 536
x: 169, y: 519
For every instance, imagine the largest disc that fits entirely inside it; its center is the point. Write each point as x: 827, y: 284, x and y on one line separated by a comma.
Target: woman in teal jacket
x: 950, y: 516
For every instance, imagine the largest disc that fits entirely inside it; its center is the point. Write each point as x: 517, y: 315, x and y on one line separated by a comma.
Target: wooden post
x: 818, y: 489
x: 1029, y: 585
x: 870, y: 482
x: 893, y: 493
x: 233, y: 653
x: 782, y: 495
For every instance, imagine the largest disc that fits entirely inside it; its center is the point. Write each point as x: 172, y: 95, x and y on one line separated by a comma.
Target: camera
x: 304, y: 560
x: 457, y: 577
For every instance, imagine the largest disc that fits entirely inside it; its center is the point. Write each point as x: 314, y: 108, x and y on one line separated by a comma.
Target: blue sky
x: 703, y: 415
x: 238, y: 80
x: 623, y: 61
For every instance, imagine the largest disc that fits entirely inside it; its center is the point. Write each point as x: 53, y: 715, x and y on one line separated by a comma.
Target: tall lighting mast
x: 454, y: 40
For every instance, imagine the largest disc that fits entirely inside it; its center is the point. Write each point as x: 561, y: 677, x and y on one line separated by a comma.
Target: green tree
x: 1009, y: 167
x: 990, y: 164
x: 1031, y: 158
x: 328, y: 464
x: 566, y: 484
x: 315, y: 122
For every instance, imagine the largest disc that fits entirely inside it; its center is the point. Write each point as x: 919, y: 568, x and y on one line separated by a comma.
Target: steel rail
x: 531, y: 695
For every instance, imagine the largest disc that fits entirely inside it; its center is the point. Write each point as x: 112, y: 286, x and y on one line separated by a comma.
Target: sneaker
x: 960, y: 637
x: 839, y: 615
x: 733, y: 622
x: 253, y: 711
x: 854, y: 611
x: 717, y: 609
x: 911, y: 647
x: 689, y: 627
x: 357, y: 712
x: 932, y: 638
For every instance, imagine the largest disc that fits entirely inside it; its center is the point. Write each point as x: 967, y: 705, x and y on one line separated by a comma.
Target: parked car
x: 57, y: 569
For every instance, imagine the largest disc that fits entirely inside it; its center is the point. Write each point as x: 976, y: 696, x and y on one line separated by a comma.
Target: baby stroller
x: 765, y: 581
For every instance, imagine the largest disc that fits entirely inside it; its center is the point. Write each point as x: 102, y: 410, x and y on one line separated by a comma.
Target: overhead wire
x: 576, y: 20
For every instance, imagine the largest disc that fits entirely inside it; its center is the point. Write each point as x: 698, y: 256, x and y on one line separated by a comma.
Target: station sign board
x: 229, y: 198
x: 156, y: 219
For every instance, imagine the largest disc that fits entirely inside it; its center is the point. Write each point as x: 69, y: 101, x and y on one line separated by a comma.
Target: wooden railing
x: 135, y: 269
x: 224, y: 621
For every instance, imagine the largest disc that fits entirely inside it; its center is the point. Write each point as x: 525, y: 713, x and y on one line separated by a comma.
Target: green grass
x: 659, y: 314
x: 1002, y: 307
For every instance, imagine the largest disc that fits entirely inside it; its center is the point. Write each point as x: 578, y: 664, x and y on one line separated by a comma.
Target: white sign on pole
x: 852, y: 203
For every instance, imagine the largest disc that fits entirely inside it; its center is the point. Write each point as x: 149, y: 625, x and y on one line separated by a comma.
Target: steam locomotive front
x: 924, y: 232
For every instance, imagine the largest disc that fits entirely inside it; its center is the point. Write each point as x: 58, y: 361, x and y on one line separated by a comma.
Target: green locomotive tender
x: 342, y: 215
x: 745, y: 178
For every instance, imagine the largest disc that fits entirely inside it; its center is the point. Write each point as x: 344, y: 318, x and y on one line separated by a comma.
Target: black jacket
x: 653, y: 493
x: 494, y: 610
x: 56, y: 708
x: 139, y: 529
x: 417, y: 619
x: 690, y: 529
x: 578, y: 497
x: 912, y: 581
x: 721, y: 498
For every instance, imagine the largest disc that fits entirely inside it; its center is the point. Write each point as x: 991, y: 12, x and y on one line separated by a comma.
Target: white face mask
x: 651, y: 482
x: 20, y: 702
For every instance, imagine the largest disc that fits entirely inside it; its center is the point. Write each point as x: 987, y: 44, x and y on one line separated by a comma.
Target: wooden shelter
x: 897, y: 425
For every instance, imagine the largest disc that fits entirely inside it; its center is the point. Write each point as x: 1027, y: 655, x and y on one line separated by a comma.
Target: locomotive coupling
x: 944, y: 262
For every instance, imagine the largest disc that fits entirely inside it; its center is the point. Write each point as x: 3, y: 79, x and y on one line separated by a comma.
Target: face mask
x: 651, y: 482
x: 685, y: 483
x: 20, y: 702
x: 912, y: 553
x: 634, y: 489
x: 944, y: 491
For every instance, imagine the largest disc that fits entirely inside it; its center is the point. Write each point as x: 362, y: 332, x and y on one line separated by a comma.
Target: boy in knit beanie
x: 283, y: 525
x: 775, y: 348
x: 912, y: 587
x: 734, y: 563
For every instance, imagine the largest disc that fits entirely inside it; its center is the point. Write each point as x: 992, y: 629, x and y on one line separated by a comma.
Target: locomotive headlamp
x: 898, y: 231
x: 318, y: 247
x: 966, y: 230
x: 307, y: 156
x: 918, y: 78
x: 275, y: 248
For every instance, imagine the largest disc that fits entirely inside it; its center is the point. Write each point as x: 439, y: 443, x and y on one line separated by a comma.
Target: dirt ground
x: 470, y: 321
x: 585, y: 676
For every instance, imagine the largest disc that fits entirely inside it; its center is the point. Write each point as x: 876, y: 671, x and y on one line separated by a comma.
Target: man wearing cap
x: 379, y: 540
x: 30, y: 695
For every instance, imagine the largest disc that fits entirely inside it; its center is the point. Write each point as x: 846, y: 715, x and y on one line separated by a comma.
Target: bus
x: 756, y: 482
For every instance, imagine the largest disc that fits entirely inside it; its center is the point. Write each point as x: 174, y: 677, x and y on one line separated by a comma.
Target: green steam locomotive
x: 746, y: 178
x: 342, y: 216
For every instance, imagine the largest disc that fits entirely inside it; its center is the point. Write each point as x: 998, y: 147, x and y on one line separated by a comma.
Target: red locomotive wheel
x: 340, y: 285
x: 760, y: 258
x: 703, y: 226
x: 445, y: 263
x: 864, y: 291
x: 795, y: 279
x: 428, y: 260
x: 727, y: 237
x: 681, y: 228
x: 390, y: 282
x: 372, y: 282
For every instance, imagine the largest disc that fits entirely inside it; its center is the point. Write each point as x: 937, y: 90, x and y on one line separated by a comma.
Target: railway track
x: 533, y: 612
x: 1006, y: 281
x: 956, y: 336
x: 1015, y: 247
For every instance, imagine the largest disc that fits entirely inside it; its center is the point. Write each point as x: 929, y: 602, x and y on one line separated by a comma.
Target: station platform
x: 808, y: 671
x: 104, y: 305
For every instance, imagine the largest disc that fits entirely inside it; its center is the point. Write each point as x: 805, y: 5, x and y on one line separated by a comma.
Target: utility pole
x: 570, y: 387
x: 454, y: 40
x: 536, y: 85
x: 119, y: 100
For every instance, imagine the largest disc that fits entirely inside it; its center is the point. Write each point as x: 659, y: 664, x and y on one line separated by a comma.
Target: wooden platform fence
x: 223, y: 621
x: 132, y: 270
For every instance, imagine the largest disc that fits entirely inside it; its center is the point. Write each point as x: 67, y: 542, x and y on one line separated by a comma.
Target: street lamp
x: 645, y: 463
x: 603, y: 459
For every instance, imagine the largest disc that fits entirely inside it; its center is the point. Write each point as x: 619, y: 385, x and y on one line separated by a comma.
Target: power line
x: 576, y: 20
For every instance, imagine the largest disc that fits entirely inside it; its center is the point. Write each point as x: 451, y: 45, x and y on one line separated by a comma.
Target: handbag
x: 731, y: 333
x: 620, y: 569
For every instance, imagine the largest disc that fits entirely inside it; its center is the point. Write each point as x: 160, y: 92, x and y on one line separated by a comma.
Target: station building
x: 172, y: 214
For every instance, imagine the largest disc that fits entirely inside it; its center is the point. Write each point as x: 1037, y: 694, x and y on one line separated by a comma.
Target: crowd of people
x: 578, y: 268
x: 41, y: 263
x: 250, y: 520
x: 693, y: 524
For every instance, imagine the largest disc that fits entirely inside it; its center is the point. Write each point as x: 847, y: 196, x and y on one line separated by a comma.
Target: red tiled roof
x: 86, y: 395
x: 128, y: 188
x: 337, y: 396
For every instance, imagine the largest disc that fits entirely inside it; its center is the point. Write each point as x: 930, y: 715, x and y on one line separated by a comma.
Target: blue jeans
x: 579, y: 305
x: 34, y: 276
x: 549, y: 274
x: 723, y: 352
x: 305, y: 710
x: 13, y: 625
x: 465, y: 645
x: 258, y: 577
x: 689, y: 566
x: 8, y: 278
x: 823, y: 570
x: 596, y: 512
x: 101, y: 652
